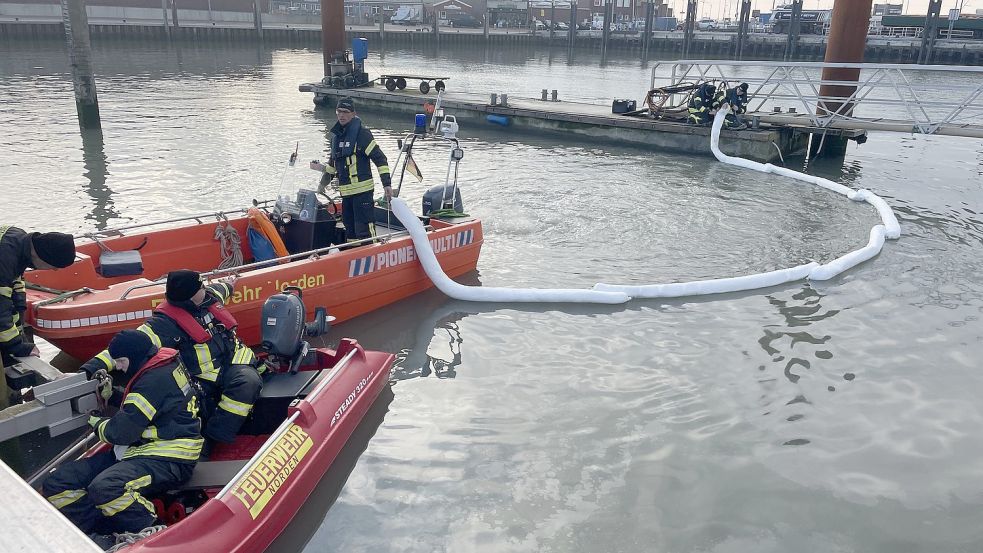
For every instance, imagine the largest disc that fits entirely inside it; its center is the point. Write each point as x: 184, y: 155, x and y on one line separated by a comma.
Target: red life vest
x: 190, y: 325
x: 162, y: 357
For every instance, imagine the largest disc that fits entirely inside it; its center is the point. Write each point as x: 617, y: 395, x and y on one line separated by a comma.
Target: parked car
x: 706, y: 25
x: 561, y: 26
x: 467, y: 21
x: 539, y: 25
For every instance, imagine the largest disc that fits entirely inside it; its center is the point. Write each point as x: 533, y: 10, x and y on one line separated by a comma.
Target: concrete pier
x: 586, y: 121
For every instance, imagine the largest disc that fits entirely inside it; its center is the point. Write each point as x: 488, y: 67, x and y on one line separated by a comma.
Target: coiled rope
x: 125, y: 539
x: 230, y: 244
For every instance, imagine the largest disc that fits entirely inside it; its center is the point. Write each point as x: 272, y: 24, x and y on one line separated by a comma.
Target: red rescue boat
x: 244, y: 496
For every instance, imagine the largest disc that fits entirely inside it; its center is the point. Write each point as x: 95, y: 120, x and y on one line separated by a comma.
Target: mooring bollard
x: 555, y: 99
x: 504, y: 100
x: 494, y: 99
x: 545, y: 93
x: 756, y: 122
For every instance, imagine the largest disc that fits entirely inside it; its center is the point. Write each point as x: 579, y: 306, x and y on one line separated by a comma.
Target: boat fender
x: 498, y: 120
x: 191, y: 326
x: 262, y: 223
x: 175, y: 512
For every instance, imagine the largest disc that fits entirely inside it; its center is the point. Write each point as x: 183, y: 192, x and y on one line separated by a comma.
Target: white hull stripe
x: 369, y: 264
x: 95, y: 321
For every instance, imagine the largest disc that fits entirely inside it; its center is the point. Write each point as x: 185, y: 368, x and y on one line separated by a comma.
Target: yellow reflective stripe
x: 205, y: 362
x: 185, y: 449
x: 106, y: 359
x: 243, y: 356
x: 15, y: 317
x: 141, y: 403
x: 101, y: 430
x: 223, y: 290
x: 372, y: 230
x: 9, y: 334
x: 234, y: 407
x: 145, y: 328
x: 352, y: 168
x: 19, y: 286
x: 383, y: 169
x: 180, y: 378
x: 329, y: 170
x: 150, y: 433
x: 357, y: 187
x: 66, y: 498
x: 6, y: 291
x: 372, y: 145
x: 130, y: 495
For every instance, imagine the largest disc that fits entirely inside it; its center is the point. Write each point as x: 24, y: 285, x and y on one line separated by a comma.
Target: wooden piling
x: 80, y: 53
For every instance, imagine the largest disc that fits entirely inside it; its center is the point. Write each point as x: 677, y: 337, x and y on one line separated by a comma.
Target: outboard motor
x: 442, y: 196
x: 283, y: 328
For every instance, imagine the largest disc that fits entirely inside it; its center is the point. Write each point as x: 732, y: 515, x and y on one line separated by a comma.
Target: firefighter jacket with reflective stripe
x: 203, y: 360
x: 15, y: 258
x: 352, y: 147
x: 159, y: 414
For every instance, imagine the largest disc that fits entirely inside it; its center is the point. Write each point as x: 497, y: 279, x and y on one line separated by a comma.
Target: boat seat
x: 279, y: 391
x: 212, y: 474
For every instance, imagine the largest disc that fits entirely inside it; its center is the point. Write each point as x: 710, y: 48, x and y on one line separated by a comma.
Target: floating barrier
x: 617, y: 293
x: 487, y: 293
x: 812, y: 271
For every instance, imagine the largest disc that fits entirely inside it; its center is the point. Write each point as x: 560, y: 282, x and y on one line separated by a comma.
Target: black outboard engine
x: 441, y: 197
x: 284, y: 329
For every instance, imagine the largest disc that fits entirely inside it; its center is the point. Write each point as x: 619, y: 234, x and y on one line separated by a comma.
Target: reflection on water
x: 96, y: 167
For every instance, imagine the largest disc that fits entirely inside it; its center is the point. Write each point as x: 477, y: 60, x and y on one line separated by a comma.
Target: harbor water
x: 840, y: 416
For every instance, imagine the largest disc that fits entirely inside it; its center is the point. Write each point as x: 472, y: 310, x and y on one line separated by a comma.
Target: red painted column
x: 845, y: 44
x: 332, y: 31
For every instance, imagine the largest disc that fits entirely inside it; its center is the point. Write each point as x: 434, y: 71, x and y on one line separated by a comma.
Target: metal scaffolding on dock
x: 924, y: 99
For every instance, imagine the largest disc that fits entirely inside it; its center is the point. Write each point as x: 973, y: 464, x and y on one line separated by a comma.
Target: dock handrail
x: 886, y: 97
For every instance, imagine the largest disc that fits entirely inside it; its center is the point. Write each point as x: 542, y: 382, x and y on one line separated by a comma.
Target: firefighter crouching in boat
x: 194, y: 321
x: 18, y: 251
x: 352, y: 148
x: 157, y: 439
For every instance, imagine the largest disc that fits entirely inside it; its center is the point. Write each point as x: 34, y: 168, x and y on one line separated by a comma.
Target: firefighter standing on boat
x: 194, y: 321
x: 352, y: 148
x: 157, y: 439
x: 18, y: 251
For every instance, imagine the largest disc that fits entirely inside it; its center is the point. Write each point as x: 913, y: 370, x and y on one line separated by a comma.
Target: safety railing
x: 926, y: 99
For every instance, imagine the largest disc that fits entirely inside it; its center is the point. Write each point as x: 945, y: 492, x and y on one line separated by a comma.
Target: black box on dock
x: 622, y: 106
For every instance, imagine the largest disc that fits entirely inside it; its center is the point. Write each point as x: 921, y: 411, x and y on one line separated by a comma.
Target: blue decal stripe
x: 353, y: 267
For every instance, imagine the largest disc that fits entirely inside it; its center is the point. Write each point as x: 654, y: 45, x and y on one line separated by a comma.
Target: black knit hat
x: 133, y: 345
x: 182, y: 285
x: 346, y: 103
x: 54, y: 248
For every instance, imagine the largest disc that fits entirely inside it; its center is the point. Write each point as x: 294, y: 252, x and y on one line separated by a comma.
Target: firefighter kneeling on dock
x: 708, y: 98
x: 157, y: 439
x: 194, y: 321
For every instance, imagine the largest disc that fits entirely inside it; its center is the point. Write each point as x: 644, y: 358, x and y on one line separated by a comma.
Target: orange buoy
x: 259, y: 221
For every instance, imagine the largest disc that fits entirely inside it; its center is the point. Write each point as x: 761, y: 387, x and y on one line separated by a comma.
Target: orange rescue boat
x: 78, y: 309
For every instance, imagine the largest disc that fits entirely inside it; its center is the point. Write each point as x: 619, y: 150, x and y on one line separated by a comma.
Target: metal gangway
x: 926, y: 99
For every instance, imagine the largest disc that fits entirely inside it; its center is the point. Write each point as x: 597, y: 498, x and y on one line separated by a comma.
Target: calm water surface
x: 840, y: 416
